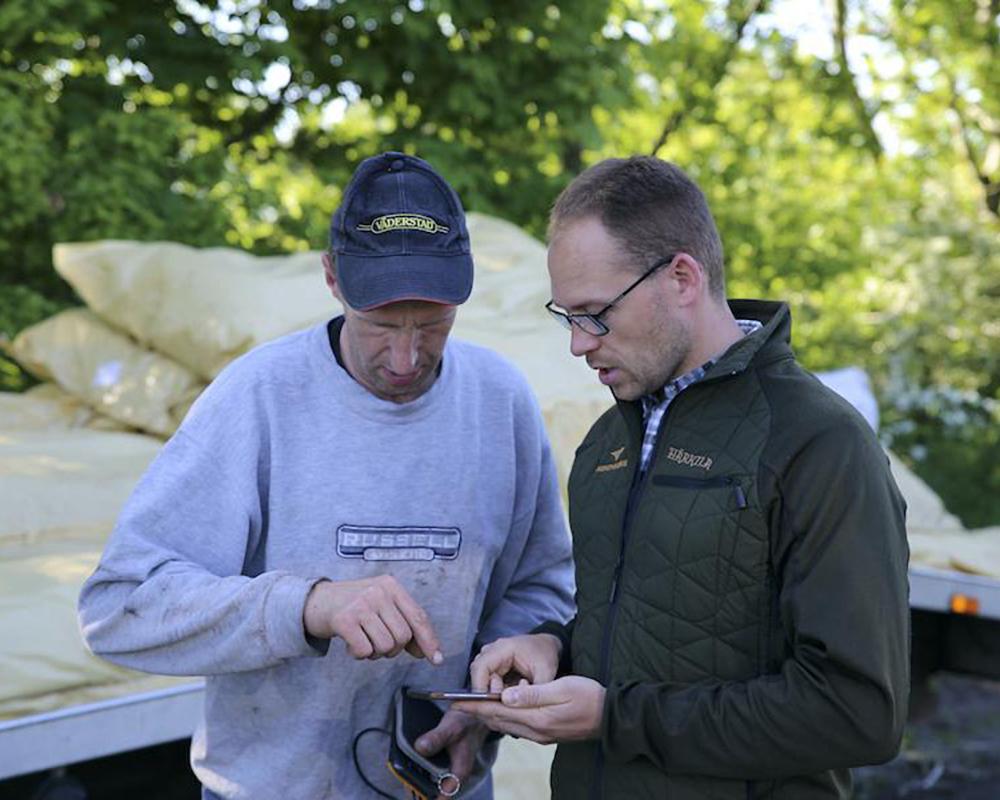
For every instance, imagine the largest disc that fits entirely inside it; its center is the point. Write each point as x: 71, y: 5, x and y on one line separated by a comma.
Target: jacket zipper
x: 639, y: 482
x: 715, y: 482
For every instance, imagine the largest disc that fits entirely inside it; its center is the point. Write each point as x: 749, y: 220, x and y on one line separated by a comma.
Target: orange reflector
x: 964, y: 604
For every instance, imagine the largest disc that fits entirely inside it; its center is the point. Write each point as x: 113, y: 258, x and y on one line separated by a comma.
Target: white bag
x: 108, y: 371
x: 49, y: 407
x: 201, y: 307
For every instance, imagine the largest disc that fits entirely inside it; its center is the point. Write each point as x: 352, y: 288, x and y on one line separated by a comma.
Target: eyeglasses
x: 591, y: 323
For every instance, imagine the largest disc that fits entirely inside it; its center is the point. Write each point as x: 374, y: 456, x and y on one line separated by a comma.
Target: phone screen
x: 457, y: 694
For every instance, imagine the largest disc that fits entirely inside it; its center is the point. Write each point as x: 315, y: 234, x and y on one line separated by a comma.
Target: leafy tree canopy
x: 852, y: 159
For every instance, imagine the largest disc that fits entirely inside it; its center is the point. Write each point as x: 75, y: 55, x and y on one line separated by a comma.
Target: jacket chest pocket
x: 702, y: 543
x: 706, y: 527
x: 732, y: 483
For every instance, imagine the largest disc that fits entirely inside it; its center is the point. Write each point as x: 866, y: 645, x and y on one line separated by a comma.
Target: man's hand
x: 462, y: 735
x: 565, y: 710
x: 375, y: 617
x: 506, y: 661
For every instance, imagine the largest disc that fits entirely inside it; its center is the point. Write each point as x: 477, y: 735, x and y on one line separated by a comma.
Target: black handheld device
x: 425, y: 776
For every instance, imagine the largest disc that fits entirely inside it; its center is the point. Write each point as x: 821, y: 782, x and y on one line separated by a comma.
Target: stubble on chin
x: 673, y: 343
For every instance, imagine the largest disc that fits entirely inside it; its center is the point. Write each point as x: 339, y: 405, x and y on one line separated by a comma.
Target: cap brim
x: 367, y: 282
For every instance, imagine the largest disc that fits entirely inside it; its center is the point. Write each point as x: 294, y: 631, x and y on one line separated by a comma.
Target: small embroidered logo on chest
x: 617, y: 462
x: 682, y: 456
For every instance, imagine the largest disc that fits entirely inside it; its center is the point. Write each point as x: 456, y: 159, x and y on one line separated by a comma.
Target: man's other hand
x: 376, y: 618
x: 565, y: 710
x: 504, y: 662
x: 462, y: 735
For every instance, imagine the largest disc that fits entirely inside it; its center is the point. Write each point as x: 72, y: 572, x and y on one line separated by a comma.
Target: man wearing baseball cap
x: 338, y: 496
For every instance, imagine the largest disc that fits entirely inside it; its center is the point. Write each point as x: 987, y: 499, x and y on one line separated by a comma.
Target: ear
x: 330, y: 274
x: 689, y: 278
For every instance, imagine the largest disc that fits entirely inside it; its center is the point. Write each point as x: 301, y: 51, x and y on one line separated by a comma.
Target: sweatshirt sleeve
x: 533, y: 581
x: 168, y: 595
x: 839, y: 699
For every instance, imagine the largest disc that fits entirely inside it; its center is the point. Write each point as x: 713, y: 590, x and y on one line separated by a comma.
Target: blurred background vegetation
x: 850, y: 150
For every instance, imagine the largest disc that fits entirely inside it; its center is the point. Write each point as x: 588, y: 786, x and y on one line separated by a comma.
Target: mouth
x: 401, y: 380
x: 606, y: 375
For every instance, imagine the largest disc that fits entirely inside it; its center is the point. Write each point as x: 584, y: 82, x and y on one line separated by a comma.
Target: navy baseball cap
x: 400, y: 234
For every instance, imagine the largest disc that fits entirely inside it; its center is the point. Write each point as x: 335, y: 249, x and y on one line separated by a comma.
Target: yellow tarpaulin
x: 61, y: 484
x: 107, y: 370
x: 49, y: 407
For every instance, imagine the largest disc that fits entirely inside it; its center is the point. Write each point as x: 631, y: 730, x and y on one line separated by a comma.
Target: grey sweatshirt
x: 287, y: 471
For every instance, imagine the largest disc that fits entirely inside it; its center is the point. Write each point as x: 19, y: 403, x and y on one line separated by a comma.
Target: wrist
x: 553, y: 645
x: 315, y: 620
x: 600, y: 701
x: 563, y: 633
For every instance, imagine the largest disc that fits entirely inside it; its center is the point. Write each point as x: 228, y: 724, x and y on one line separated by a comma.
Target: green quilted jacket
x: 745, y: 601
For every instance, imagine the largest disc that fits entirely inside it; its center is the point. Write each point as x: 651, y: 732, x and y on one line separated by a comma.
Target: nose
x: 403, y: 352
x: 581, y: 342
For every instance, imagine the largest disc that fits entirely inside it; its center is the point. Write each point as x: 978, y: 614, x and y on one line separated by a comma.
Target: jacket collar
x: 770, y: 342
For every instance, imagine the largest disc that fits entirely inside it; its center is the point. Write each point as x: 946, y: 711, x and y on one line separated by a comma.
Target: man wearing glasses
x: 742, y: 623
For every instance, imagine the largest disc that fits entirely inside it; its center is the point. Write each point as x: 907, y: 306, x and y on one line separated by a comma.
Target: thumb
x: 436, y: 739
x: 430, y: 743
x: 524, y: 695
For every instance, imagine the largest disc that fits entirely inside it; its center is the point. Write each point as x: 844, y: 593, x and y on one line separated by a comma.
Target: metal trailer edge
x: 955, y: 627
x: 38, y: 742
x: 954, y: 592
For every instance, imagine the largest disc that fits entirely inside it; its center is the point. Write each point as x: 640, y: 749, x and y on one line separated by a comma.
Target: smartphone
x: 459, y: 694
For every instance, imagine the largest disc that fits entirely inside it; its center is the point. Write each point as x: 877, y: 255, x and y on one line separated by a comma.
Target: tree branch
x: 672, y: 123
x: 861, y: 110
x: 250, y: 125
x: 719, y: 72
x: 991, y: 188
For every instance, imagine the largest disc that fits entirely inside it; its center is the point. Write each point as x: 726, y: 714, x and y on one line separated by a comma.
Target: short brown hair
x: 651, y: 207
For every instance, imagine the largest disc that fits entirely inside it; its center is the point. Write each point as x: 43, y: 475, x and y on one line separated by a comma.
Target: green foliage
x: 888, y: 259
x: 864, y: 189
x: 19, y: 308
x: 952, y: 439
x: 498, y: 95
x: 26, y: 167
x: 125, y: 199
x: 25, y: 127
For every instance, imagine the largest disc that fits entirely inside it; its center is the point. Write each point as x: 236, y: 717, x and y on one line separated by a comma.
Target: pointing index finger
x: 424, y: 636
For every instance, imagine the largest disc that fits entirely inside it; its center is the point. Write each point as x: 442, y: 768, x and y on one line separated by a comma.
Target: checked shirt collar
x: 655, y: 405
